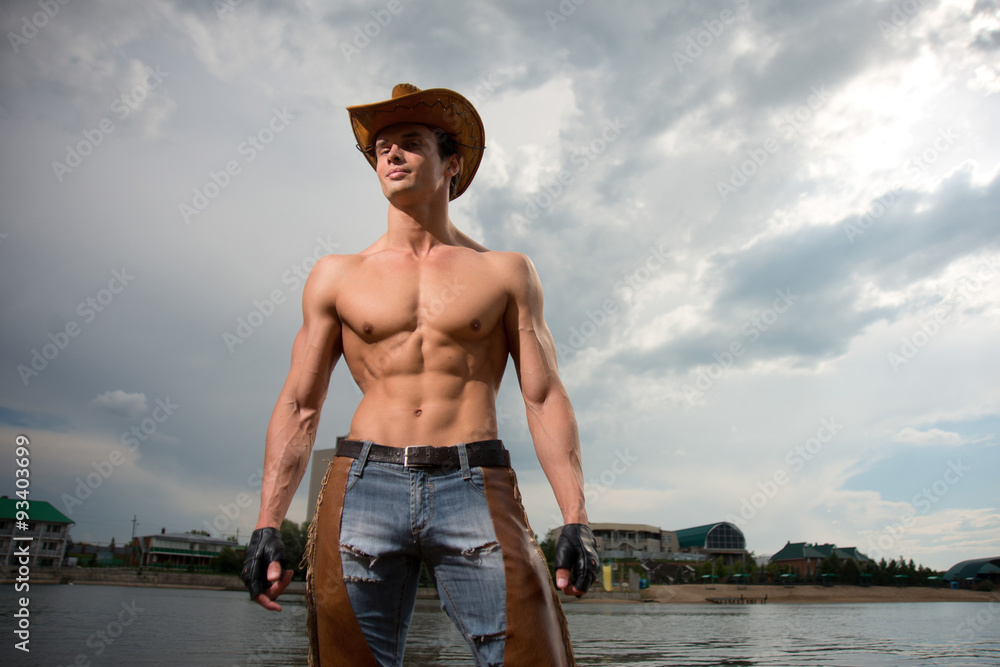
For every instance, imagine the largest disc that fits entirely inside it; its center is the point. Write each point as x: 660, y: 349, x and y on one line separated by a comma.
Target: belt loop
x: 366, y: 446
x: 463, y: 457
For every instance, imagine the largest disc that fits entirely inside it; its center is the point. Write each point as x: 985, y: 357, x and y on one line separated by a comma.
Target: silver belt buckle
x: 406, y: 456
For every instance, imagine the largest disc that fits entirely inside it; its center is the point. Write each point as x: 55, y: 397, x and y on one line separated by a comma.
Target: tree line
x: 832, y: 569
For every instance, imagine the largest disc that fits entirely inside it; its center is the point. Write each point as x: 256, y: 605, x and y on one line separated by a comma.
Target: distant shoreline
x: 679, y: 594
x: 812, y: 594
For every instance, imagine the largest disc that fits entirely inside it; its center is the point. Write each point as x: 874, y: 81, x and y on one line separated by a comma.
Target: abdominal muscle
x: 424, y: 410
x: 414, y: 401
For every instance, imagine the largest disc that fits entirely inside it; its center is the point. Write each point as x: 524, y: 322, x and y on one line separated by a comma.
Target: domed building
x: 713, y: 540
x: 968, y: 572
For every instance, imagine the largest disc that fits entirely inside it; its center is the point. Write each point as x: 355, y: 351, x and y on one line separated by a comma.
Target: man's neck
x: 420, y: 227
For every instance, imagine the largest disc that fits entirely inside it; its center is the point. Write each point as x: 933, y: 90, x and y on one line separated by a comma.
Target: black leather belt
x: 482, y: 453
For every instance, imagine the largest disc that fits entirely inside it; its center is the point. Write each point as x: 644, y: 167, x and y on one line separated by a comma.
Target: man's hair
x: 446, y: 148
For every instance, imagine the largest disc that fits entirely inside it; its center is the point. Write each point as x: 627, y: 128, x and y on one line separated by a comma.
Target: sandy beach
x: 806, y: 594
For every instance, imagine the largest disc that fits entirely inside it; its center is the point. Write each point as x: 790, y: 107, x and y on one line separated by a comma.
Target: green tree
x: 849, y: 573
x: 750, y: 566
x: 228, y: 561
x: 549, y: 551
x: 294, y: 539
x: 891, y: 570
x: 832, y: 565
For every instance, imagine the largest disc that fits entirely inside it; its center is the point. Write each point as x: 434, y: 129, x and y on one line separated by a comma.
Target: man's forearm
x: 290, y: 437
x: 557, y: 444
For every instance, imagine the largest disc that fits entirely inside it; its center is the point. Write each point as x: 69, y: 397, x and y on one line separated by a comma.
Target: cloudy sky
x: 767, y: 231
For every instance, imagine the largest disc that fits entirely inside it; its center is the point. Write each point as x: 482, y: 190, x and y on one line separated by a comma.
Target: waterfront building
x: 970, y: 572
x: 714, y: 540
x: 101, y: 555
x: 180, y: 550
x: 806, y: 560
x: 47, y: 526
x: 631, y: 540
x: 645, y: 542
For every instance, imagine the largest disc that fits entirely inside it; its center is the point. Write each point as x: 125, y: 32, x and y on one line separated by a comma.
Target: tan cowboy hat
x: 437, y: 107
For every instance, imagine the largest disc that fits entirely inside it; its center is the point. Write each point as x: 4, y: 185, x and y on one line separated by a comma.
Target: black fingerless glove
x: 576, y: 551
x: 265, y: 547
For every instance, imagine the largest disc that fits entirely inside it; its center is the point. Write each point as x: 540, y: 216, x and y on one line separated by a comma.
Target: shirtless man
x: 425, y: 319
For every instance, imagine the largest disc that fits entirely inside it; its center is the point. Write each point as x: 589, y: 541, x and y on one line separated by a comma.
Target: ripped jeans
x: 396, y: 517
x: 376, y: 522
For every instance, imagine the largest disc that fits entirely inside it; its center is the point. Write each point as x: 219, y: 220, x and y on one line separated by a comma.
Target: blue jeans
x: 396, y: 517
x: 467, y: 525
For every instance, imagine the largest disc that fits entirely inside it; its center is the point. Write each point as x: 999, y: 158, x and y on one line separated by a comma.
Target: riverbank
x: 807, y: 594
x: 681, y: 594
x: 119, y: 576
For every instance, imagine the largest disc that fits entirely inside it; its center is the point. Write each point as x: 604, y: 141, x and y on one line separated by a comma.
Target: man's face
x: 408, y: 164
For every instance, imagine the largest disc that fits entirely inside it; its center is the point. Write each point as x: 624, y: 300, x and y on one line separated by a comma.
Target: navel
x: 476, y: 326
x: 417, y: 413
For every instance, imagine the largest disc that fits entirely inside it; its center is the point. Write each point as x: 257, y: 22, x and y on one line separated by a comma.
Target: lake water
x: 92, y: 626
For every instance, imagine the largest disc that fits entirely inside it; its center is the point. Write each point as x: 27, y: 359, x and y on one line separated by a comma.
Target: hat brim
x: 438, y: 107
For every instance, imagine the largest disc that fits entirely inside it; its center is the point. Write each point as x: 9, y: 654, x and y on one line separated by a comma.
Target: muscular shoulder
x: 516, y: 271
x: 325, y: 279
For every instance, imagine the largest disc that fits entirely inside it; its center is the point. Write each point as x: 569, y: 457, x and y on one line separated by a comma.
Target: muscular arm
x: 292, y: 429
x: 550, y: 414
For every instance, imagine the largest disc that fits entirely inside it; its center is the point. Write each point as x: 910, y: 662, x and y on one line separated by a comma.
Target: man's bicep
x: 532, y: 347
x: 318, y: 344
x: 315, y: 352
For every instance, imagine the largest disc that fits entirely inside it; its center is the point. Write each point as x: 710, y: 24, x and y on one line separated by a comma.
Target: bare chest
x: 457, y: 297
